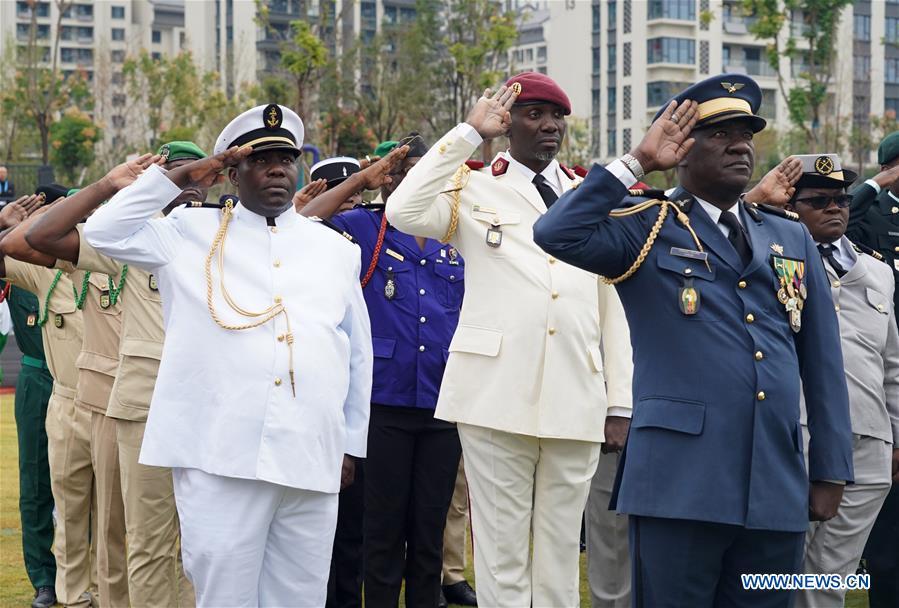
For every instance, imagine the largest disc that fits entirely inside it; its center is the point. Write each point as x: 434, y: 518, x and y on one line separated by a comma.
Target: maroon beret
x: 539, y: 88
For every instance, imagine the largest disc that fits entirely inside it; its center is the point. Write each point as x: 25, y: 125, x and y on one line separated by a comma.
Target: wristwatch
x: 631, y: 162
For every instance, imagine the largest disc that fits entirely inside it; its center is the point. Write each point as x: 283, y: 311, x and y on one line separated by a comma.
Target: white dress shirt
x: 843, y: 252
x: 223, y: 402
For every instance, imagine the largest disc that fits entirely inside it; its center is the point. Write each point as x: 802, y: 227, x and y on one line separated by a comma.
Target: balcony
x: 737, y: 25
x: 750, y: 67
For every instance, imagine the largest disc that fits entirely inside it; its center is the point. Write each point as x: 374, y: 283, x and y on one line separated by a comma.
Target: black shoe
x: 441, y: 601
x: 44, y: 597
x: 460, y: 593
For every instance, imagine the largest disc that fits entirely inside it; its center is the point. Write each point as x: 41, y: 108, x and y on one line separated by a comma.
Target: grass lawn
x: 16, y: 590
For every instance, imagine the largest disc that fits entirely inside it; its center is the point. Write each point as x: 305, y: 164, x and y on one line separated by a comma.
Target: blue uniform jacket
x: 411, y: 331
x: 715, y: 434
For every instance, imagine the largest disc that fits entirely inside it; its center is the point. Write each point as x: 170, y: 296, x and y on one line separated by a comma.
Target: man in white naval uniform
x: 262, y: 398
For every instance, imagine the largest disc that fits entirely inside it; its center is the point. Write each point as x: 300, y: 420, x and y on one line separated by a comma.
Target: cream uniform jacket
x: 526, y: 356
x: 223, y: 402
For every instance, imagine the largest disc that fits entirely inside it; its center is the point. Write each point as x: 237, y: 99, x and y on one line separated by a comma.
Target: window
x: 541, y: 54
x: 862, y: 27
x: 118, y: 12
x: 671, y: 50
x: 684, y: 10
x: 407, y: 15
x: 597, y: 17
x: 181, y: 40
x: 156, y: 36
x: 612, y: 52
x: 612, y: 144
x: 117, y: 78
x: 118, y: 100
x: 118, y: 122
x: 155, y: 56
x: 70, y: 55
x: 613, y: 15
x: 596, y: 54
x: 541, y: 69
x: 390, y: 14
x: 612, y: 97
x: 657, y: 93
x: 117, y: 56
x: 892, y: 29
x: 23, y: 31
x: 861, y: 67
x: 704, y: 56
x: 529, y: 53
x: 42, y: 9
x: 118, y: 33
x: 891, y: 104
x: 891, y: 70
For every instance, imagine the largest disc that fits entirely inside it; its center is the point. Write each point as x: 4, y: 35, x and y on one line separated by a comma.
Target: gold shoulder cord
x: 218, y: 243
x: 653, y: 233
x: 463, y: 172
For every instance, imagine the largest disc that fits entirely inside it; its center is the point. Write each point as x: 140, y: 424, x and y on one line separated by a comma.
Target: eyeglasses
x: 821, y: 202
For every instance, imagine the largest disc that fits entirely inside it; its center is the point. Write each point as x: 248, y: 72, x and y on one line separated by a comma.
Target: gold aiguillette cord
x: 262, y: 317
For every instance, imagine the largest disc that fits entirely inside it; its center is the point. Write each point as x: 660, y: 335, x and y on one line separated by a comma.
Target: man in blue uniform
x: 413, y: 288
x: 728, y: 311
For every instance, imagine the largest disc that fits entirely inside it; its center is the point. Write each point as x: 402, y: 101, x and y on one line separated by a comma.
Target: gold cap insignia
x: 516, y: 88
x: 824, y: 165
x: 272, y: 116
x: 732, y: 87
x: 165, y: 150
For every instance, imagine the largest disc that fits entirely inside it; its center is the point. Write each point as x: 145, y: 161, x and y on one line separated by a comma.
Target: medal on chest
x: 792, y: 291
x: 59, y: 321
x: 453, y: 256
x: 495, y: 235
x: 390, y: 285
x: 688, y: 298
x: 154, y: 286
x: 104, y: 300
x: 31, y: 320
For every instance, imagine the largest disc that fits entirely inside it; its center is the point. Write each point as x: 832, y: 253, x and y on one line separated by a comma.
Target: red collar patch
x: 499, y: 167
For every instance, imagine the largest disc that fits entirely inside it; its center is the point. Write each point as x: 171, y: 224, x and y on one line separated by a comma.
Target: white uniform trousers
x: 520, y: 484
x: 253, y: 543
x: 608, y: 559
x: 835, y: 546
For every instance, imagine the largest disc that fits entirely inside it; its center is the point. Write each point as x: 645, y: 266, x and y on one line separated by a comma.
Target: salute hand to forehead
x: 16, y: 212
x: 779, y: 184
x: 667, y: 142
x: 206, y: 172
x: 490, y: 116
x: 123, y: 175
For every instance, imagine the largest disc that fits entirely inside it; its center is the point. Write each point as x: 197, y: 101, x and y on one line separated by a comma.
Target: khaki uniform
x: 97, y: 364
x: 68, y: 431
x: 155, y: 574
x: 454, y: 533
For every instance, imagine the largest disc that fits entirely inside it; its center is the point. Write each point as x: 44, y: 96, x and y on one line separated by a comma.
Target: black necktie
x: 548, y: 195
x: 827, y: 253
x: 736, y: 236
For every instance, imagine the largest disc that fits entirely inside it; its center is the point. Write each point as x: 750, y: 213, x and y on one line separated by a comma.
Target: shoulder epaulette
x: 570, y: 173
x: 865, y: 249
x: 778, y: 211
x: 333, y: 227
x: 648, y: 193
x: 202, y: 205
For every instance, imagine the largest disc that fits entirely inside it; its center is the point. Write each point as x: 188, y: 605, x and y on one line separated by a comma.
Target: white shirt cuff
x: 469, y: 133
x: 620, y: 170
x: 839, y: 482
x: 874, y: 185
x: 617, y: 410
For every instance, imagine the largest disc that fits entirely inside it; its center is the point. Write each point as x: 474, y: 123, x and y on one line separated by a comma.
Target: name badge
x: 689, y: 253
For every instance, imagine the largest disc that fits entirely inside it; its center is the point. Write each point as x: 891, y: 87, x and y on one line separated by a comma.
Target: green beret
x: 889, y: 148
x: 384, y: 147
x: 177, y: 150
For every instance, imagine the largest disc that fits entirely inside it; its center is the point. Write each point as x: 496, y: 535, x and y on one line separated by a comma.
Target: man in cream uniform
x: 264, y: 383
x: 525, y: 380
x: 862, y: 290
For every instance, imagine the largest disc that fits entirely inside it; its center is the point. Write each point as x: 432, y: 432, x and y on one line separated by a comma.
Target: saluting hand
x: 667, y: 142
x: 378, y: 172
x: 308, y: 192
x: 124, y: 175
x: 779, y: 184
x: 16, y: 212
x: 206, y: 172
x: 886, y: 179
x: 490, y: 116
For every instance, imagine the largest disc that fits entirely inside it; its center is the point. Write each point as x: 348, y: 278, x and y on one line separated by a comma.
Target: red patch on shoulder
x: 499, y: 166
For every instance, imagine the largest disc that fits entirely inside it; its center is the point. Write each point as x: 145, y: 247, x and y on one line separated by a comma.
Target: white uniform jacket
x: 526, y: 355
x: 223, y: 401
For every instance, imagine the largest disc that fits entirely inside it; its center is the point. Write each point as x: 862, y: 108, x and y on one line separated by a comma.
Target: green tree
x: 72, y: 141
x: 812, y: 61
x: 303, y: 56
x: 39, y: 89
